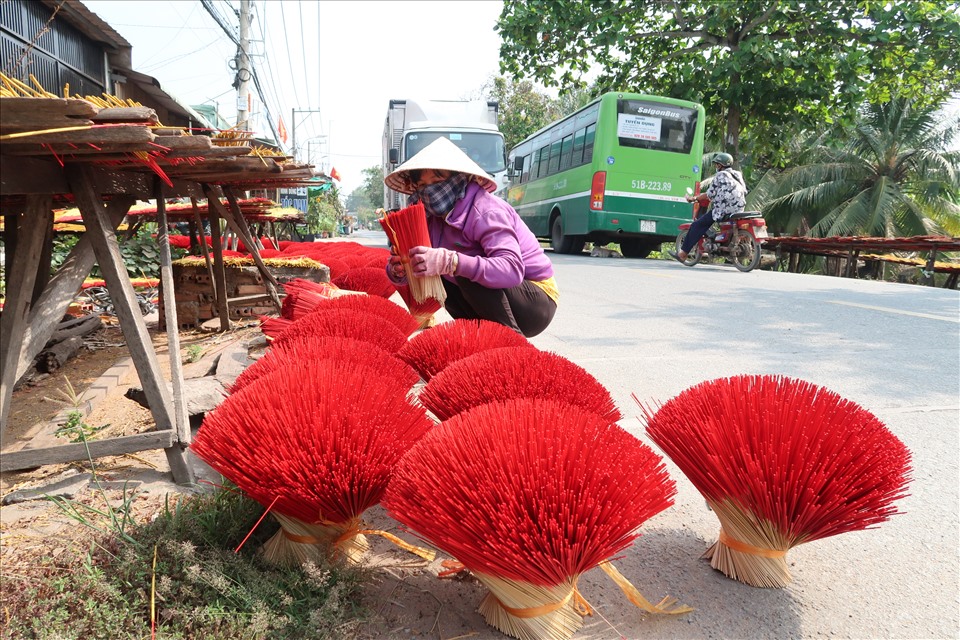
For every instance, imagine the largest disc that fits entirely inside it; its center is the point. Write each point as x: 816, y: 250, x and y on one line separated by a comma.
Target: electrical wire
x: 303, y: 49
x: 286, y: 41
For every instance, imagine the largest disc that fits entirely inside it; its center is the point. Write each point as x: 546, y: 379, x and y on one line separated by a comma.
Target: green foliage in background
x: 324, y: 210
x: 890, y: 174
x: 759, y: 67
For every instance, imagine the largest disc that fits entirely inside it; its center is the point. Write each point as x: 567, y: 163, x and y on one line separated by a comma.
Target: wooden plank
x: 144, y: 115
x: 23, y: 114
x: 53, y: 303
x: 29, y: 458
x: 26, y: 175
x: 260, y: 297
x: 199, y: 144
x: 135, y: 334
x: 170, y: 314
x: 219, y: 270
x: 32, y: 225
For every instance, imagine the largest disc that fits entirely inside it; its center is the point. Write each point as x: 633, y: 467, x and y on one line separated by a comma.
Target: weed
x: 194, y: 353
x: 182, y: 569
x: 76, y: 429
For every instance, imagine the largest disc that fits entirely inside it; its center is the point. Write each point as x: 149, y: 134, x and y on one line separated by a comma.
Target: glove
x: 427, y: 261
x: 395, y: 269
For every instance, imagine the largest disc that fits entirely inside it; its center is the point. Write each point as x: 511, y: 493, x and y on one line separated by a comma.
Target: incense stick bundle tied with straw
x: 781, y: 462
x: 529, y: 494
x: 406, y: 229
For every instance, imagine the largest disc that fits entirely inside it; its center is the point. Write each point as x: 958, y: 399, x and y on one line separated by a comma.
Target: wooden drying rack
x: 103, y: 171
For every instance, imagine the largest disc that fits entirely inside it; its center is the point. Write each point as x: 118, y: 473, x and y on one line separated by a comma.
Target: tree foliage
x: 760, y: 65
x: 891, y: 175
x: 524, y: 110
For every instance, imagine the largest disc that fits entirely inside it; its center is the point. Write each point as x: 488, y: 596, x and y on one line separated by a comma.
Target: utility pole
x: 243, y: 66
x: 293, y: 127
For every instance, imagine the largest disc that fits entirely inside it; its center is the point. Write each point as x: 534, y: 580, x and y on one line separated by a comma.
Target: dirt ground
x: 36, y: 527
x: 406, y: 597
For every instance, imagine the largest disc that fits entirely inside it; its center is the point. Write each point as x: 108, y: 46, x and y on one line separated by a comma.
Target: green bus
x: 616, y: 170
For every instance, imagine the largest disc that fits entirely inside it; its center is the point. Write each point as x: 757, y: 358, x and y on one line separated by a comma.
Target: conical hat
x: 441, y: 154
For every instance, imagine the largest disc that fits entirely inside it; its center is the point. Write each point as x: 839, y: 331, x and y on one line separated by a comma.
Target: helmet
x: 723, y: 159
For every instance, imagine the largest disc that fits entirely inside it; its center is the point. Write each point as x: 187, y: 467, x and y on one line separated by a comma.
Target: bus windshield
x: 654, y: 125
x: 486, y: 149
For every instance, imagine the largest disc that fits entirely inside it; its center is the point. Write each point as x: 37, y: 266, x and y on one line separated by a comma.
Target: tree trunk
x: 731, y: 139
x: 79, y: 328
x: 53, y: 358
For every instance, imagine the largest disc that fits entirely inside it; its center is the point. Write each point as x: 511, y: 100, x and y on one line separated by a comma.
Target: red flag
x: 335, y: 174
x: 282, y: 130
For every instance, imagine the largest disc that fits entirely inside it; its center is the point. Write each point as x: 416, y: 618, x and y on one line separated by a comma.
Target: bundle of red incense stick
x: 514, y: 372
x: 431, y: 351
x: 406, y: 229
x: 781, y: 462
x: 317, y: 455
x: 528, y: 495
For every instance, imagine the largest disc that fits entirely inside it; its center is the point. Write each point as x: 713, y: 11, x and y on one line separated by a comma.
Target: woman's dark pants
x: 526, y: 308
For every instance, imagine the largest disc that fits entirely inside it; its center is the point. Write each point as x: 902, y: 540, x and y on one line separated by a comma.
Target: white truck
x: 470, y: 124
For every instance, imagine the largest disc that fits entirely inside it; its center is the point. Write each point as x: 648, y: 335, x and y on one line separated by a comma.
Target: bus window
x: 578, y: 148
x: 651, y: 125
x: 525, y: 175
x: 544, y: 155
x: 566, y: 151
x: 588, y: 135
x: 554, y: 165
x: 534, y: 164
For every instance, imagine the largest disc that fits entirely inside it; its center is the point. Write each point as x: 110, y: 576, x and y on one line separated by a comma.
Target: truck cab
x: 471, y: 125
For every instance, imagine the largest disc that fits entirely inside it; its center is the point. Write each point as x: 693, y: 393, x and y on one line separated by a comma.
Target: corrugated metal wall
x: 59, y: 54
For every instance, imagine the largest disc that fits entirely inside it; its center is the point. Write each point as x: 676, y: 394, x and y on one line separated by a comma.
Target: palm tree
x: 890, y: 176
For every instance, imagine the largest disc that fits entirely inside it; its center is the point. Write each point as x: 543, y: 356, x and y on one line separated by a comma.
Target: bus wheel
x: 636, y: 248
x: 563, y: 243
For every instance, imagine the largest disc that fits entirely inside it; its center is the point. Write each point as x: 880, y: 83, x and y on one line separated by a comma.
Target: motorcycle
x: 737, y: 238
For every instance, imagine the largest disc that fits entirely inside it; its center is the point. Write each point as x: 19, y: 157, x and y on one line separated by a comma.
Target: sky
x: 344, y: 60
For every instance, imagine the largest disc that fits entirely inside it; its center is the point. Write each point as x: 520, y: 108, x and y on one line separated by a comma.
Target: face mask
x: 439, y: 198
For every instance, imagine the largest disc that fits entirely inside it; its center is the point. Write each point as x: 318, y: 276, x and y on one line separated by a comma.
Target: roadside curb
x: 96, y: 392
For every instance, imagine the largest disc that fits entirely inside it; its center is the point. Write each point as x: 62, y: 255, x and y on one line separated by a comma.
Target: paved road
x: 654, y: 328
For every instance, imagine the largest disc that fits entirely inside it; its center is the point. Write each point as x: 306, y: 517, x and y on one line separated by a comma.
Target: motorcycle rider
x: 727, y: 194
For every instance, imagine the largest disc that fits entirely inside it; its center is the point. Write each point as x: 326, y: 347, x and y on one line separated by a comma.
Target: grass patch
x: 200, y: 588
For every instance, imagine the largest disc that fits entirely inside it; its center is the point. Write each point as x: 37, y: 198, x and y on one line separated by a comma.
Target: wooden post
x: 170, y: 314
x: 46, y: 258
x: 62, y: 288
x: 929, y: 275
x: 254, y: 246
x: 269, y: 282
x: 219, y: 269
x: 138, y: 341
x: 32, y: 225
x: 203, y: 246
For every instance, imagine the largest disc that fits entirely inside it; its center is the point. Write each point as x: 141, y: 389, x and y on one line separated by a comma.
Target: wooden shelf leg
x: 134, y: 329
x: 31, y: 229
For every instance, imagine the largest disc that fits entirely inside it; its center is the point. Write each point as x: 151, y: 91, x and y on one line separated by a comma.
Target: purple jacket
x: 496, y: 248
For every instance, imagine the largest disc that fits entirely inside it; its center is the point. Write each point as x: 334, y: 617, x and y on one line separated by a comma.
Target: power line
x: 286, y: 41
x: 277, y: 95
x: 303, y: 49
x: 215, y: 14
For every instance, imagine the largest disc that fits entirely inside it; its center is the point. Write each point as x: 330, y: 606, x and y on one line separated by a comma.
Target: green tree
x: 368, y: 195
x: 524, y: 110
x: 324, y: 210
x: 760, y: 64
x: 892, y: 175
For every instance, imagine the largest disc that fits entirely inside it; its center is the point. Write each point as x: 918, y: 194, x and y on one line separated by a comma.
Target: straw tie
x: 580, y: 605
x: 743, y: 547
x: 637, y: 599
x: 355, y: 528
